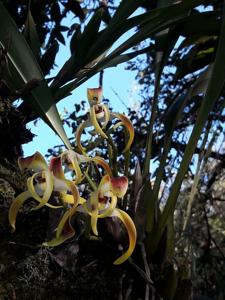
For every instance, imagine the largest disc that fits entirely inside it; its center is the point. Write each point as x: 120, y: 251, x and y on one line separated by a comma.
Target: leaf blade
x: 26, y: 67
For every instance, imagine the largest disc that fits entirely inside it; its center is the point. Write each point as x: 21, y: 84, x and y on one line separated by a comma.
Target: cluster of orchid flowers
x: 50, y: 179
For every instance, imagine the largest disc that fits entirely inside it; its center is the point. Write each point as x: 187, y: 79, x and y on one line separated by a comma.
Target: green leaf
x: 25, y: 67
x: 150, y: 210
x: 153, y: 22
x: 48, y: 59
x: 31, y: 35
x: 213, y: 92
x: 202, y: 82
x: 164, y: 43
x: 195, y: 40
x: 198, y: 57
x: 83, y: 43
x: 74, y: 40
x: 206, y: 23
x: 172, y: 116
x: 124, y: 58
x: 169, y: 283
x: 126, y: 8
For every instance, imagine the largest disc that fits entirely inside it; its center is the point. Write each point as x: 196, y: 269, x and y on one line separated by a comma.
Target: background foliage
x: 177, y: 160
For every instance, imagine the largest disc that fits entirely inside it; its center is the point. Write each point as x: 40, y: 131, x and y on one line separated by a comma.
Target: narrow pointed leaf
x: 152, y: 22
x: 31, y: 35
x: 213, y: 92
x: 24, y: 64
x: 83, y: 41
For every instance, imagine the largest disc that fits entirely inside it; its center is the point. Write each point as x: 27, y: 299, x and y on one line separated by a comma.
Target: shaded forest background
x: 180, y: 252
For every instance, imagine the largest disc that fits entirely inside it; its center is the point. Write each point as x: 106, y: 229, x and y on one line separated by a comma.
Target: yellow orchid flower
x: 73, y: 160
x: 102, y: 201
x: 124, y: 121
x: 99, y: 116
x: 64, y: 229
x: 40, y: 185
x: 102, y: 204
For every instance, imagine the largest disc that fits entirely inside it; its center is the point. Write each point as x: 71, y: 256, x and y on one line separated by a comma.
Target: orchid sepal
x: 94, y: 95
x: 48, y: 188
x: 18, y: 203
x: 79, y: 132
x: 107, y: 116
x: 15, y: 206
x: 73, y: 164
x: 132, y: 234
x: 34, y: 162
x: 95, y: 123
x: 100, y: 161
x: 128, y: 125
x: 66, y: 220
x: 117, y: 185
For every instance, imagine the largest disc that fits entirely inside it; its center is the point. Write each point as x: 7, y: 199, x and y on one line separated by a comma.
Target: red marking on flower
x: 98, y: 109
x: 94, y: 95
x: 103, y: 199
x: 40, y: 179
x: 55, y: 163
x: 119, y: 185
x: 34, y: 162
x: 67, y: 229
x: 24, y: 162
x: 56, y: 167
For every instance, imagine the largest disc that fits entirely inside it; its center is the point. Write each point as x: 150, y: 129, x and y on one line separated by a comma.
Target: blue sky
x: 118, y: 79
x: 115, y: 79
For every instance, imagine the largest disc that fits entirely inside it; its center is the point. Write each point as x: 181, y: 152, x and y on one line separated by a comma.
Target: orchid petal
x: 119, y: 186
x: 118, y: 124
x: 48, y: 188
x: 104, y: 186
x: 66, y: 198
x: 73, y: 164
x: 73, y: 189
x: 64, y: 225
x: 97, y: 159
x: 109, y: 210
x: 34, y: 162
x: 95, y: 123
x: 79, y: 132
x: 100, y: 161
x: 56, y: 167
x: 132, y: 234
x: 82, y: 158
x: 15, y: 206
x: 60, y: 183
x: 94, y: 95
x: 64, y: 230
x: 94, y: 212
x: 128, y: 125
x: 107, y: 116
x: 38, y: 189
x: 66, y: 217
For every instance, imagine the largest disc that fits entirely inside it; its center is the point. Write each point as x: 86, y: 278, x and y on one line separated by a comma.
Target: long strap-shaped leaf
x: 213, y: 92
x: 153, y: 22
x: 26, y: 68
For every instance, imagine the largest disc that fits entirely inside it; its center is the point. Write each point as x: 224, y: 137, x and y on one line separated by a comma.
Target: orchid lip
x: 94, y: 95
